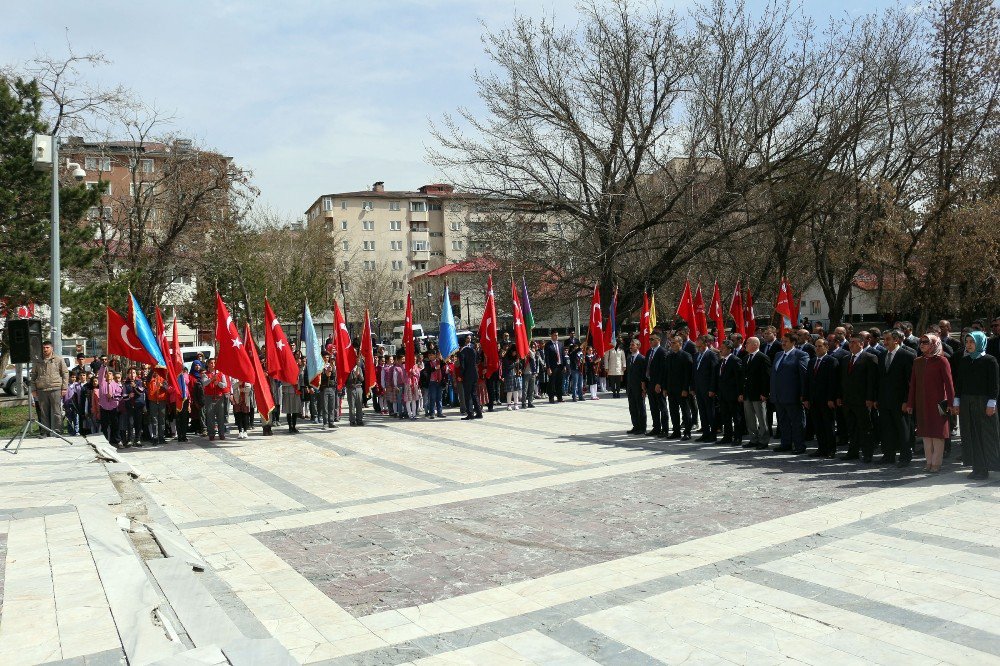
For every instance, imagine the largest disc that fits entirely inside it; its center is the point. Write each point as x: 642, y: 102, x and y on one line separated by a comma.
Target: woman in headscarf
x: 977, y: 387
x: 931, y: 394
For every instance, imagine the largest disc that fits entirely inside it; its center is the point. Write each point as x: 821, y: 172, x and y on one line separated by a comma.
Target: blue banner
x: 447, y: 340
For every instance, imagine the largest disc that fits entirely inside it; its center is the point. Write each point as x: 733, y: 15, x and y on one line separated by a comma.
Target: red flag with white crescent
x: 685, y: 309
x: 520, y: 331
x: 699, y: 312
x: 232, y: 359
x: 123, y: 342
x: 715, y: 312
x: 261, y: 384
x: 488, y: 331
x: 410, y: 355
x: 596, y: 322
x: 368, y: 353
x: 347, y: 358
x: 281, y: 364
x: 748, y: 315
x: 644, y: 328
x: 736, y: 311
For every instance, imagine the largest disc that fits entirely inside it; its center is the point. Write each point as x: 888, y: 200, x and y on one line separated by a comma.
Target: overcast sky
x: 314, y: 97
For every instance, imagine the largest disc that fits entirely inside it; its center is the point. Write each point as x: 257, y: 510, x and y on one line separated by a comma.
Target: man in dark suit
x: 804, y: 342
x: 692, y: 349
x: 656, y: 361
x: 993, y: 344
x: 788, y: 384
x: 470, y: 378
x: 893, y: 391
x: 756, y: 388
x: 677, y: 382
x: 730, y: 385
x: 554, y: 365
x: 910, y: 340
x: 858, y: 390
x: 822, y: 391
x: 635, y: 375
x: 843, y: 433
x: 770, y: 346
x: 706, y: 385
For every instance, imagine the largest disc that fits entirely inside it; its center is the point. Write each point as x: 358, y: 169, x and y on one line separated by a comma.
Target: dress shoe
x: 799, y: 452
x: 782, y: 449
x: 887, y: 460
x: 750, y: 445
x: 738, y: 441
x: 761, y: 447
x: 675, y: 435
x: 467, y: 418
x: 703, y: 438
x: 850, y: 456
x: 633, y: 431
x: 686, y: 438
x: 866, y: 459
x: 816, y: 454
x: 654, y: 433
x: 479, y: 416
x: 903, y: 464
x: 726, y: 440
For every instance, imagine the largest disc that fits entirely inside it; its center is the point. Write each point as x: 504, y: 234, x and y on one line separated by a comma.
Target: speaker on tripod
x: 25, y: 338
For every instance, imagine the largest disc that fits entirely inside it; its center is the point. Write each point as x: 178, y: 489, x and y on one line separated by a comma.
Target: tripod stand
x: 32, y: 418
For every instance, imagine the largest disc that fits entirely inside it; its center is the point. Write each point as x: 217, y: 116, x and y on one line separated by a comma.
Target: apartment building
x: 397, y: 233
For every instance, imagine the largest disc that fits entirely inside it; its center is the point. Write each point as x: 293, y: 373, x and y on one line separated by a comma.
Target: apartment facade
x: 397, y: 233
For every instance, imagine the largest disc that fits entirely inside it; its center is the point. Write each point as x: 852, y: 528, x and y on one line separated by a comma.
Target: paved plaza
x: 542, y: 536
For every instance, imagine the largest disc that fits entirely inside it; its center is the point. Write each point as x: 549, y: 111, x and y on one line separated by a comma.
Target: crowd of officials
x: 865, y: 392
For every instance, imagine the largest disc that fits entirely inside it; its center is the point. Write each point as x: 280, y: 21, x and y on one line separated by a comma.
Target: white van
x: 190, y: 354
x: 397, y: 336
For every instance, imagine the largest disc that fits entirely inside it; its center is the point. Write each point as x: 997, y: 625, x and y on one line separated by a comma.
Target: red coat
x: 930, y: 383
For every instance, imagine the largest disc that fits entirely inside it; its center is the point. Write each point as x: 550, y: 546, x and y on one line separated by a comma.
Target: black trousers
x: 637, y: 409
x: 706, y: 408
x: 472, y: 406
x: 657, y: 410
x: 859, y: 426
x: 823, y: 420
x: 182, y: 422
x: 896, y: 432
x: 556, y: 384
x: 493, y: 391
x: 770, y: 418
x: 109, y: 425
x: 615, y: 384
x: 730, y: 419
x: 680, y: 414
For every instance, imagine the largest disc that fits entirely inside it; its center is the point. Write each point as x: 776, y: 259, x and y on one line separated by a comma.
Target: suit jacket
x: 705, y: 373
x: 690, y: 348
x: 859, y: 383
x: 656, y: 363
x: 730, y: 378
x: 878, y: 350
x: 788, y: 377
x: 554, y: 354
x: 467, y: 358
x: 810, y: 349
x: 635, y: 372
x: 840, y: 354
x: 678, y: 376
x: 993, y: 347
x: 770, y: 349
x: 894, y: 380
x: 823, y: 380
x: 756, y: 377
x: 913, y: 342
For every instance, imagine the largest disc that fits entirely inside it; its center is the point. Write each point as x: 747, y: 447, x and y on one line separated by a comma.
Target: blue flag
x: 309, y: 345
x: 447, y: 340
x: 143, y: 331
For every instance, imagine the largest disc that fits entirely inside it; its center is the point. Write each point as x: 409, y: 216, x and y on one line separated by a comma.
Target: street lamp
x: 46, y: 153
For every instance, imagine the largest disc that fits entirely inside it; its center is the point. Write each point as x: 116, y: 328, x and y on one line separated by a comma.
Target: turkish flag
x: 123, y: 342
x: 169, y: 361
x: 748, y: 315
x: 347, y: 358
x: 699, y: 311
x: 231, y: 360
x: 488, y: 331
x: 793, y: 300
x: 715, y: 312
x: 410, y: 357
x: 520, y: 331
x: 281, y: 363
x: 368, y: 353
x: 783, y: 306
x: 736, y: 311
x: 596, y: 323
x: 175, y: 354
x: 261, y: 384
x: 644, y: 329
x: 685, y: 309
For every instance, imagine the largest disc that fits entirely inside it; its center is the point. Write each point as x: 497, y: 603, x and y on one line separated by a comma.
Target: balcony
x: 420, y: 255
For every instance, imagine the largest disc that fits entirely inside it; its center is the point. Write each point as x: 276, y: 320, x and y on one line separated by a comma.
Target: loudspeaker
x: 25, y: 338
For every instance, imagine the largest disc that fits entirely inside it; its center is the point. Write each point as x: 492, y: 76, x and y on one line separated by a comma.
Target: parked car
x: 9, y: 380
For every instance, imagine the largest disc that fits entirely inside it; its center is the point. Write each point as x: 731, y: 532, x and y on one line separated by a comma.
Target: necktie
x: 850, y: 368
x: 778, y: 360
x: 888, y: 361
x: 819, y: 359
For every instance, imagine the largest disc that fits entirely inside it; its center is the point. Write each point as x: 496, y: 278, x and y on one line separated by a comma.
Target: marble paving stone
x: 407, y: 558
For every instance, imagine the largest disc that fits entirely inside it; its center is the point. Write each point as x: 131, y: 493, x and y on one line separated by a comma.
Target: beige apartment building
x: 397, y: 234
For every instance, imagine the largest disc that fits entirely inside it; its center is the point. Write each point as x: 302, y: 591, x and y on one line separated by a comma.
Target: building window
x: 815, y: 308
x: 343, y: 205
x: 368, y: 245
x: 368, y: 225
x: 343, y: 225
x: 435, y: 253
x: 419, y: 265
x: 347, y: 265
x: 95, y: 212
x: 456, y: 245
x: 97, y: 163
x: 455, y: 208
x: 419, y: 246
x: 393, y: 205
x: 346, y: 245
x: 395, y: 245
x: 435, y: 206
x: 397, y: 285
x: 456, y: 226
x: 369, y: 265
x: 146, y: 165
x: 397, y: 265
x: 367, y: 205
x: 105, y: 187
x: 436, y: 234
x: 398, y: 304
x: 418, y: 207
x: 395, y: 225
x: 418, y: 226
x: 327, y: 204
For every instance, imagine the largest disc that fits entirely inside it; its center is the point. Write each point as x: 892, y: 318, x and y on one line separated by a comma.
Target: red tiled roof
x: 474, y: 265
